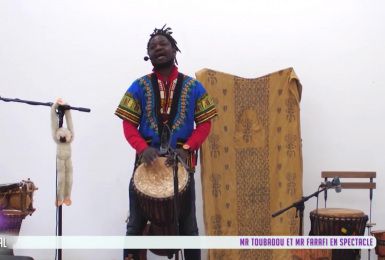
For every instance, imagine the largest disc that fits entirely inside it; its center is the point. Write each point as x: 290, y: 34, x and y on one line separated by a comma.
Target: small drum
x: 17, y: 197
x: 16, y: 202
x: 339, y: 222
x: 380, y: 237
x: 154, y: 186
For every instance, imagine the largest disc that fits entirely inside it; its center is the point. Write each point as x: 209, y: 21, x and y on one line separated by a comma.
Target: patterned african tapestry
x: 252, y: 161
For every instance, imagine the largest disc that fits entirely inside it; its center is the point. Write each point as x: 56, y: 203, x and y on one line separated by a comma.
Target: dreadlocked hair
x: 166, y: 32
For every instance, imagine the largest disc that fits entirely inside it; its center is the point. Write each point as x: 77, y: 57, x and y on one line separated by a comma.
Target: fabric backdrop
x: 252, y: 161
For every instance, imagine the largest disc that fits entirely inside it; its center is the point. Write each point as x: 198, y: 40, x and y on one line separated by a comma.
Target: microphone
x: 335, y: 183
x: 146, y: 58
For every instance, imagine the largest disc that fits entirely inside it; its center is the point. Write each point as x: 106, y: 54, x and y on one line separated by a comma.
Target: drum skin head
x: 157, y: 181
x: 338, y: 212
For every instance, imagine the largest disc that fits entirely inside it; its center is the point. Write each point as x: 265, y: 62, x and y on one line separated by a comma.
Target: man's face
x: 160, y: 51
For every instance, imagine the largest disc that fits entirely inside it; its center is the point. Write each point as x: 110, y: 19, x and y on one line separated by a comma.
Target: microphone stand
x: 59, y: 217
x: 60, y: 113
x: 175, y: 160
x: 300, y: 206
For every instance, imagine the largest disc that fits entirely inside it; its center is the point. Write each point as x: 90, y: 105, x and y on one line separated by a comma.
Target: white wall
x: 88, y: 52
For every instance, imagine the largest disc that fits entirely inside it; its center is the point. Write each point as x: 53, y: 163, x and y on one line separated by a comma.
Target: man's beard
x: 166, y: 64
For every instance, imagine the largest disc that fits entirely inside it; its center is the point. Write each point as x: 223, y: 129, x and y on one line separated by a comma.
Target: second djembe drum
x: 339, y: 222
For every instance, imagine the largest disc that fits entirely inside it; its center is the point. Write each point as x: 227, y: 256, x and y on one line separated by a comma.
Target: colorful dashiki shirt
x: 145, y: 103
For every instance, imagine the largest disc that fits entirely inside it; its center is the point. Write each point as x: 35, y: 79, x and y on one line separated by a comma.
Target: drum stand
x: 300, y: 206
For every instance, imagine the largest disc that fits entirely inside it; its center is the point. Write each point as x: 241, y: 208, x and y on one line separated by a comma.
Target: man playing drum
x: 165, y: 101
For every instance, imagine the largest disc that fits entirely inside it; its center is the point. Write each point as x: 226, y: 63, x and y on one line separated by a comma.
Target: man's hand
x: 149, y: 155
x: 182, y: 153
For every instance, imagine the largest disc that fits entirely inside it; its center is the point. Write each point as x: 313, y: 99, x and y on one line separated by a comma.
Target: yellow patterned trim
x: 181, y: 117
x: 149, y: 96
x: 205, y: 109
x: 129, y: 109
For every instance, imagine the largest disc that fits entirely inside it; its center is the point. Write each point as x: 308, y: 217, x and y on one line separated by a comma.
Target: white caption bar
x: 203, y: 242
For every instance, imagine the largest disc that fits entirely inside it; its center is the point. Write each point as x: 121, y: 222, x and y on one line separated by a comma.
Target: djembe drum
x: 339, y: 222
x: 380, y: 247
x: 16, y: 202
x: 154, y: 186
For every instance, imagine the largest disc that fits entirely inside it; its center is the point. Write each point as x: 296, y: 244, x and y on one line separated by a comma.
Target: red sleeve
x: 199, y: 135
x: 133, y: 137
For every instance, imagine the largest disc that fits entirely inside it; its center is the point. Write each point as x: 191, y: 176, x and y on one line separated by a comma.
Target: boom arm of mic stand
x: 299, y: 202
x: 35, y: 103
x: 300, y: 206
x: 82, y: 109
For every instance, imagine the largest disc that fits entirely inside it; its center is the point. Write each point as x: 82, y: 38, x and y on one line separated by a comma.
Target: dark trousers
x: 187, y: 224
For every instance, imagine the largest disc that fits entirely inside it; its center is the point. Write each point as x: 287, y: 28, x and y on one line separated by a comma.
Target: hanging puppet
x: 63, y: 138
